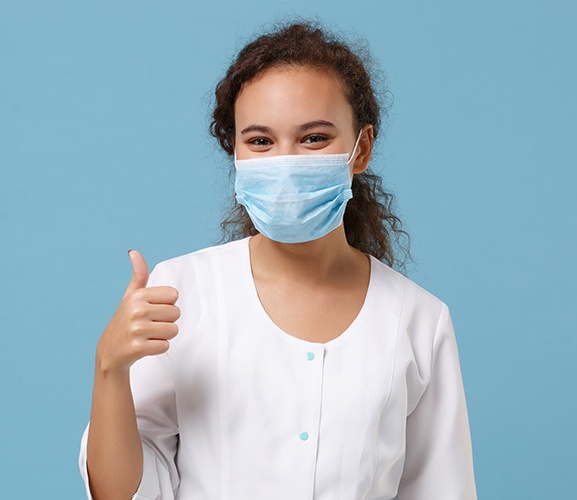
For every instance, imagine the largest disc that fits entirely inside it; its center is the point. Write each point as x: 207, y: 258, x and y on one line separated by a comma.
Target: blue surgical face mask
x: 295, y: 198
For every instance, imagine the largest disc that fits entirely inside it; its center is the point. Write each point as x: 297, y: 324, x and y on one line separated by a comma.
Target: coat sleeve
x: 438, y: 460
x: 152, y: 386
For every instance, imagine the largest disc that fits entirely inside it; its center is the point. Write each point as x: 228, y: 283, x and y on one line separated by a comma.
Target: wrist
x: 106, y: 371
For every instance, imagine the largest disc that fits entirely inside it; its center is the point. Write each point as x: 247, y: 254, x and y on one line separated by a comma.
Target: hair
x: 370, y: 223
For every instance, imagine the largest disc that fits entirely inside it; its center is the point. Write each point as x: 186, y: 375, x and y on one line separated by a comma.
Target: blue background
x: 104, y: 147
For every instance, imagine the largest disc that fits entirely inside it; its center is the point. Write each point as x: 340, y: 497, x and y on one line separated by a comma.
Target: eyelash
x: 317, y: 138
x: 310, y: 139
x: 260, y: 141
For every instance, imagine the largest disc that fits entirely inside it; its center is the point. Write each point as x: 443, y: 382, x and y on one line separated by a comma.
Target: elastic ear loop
x: 355, y: 148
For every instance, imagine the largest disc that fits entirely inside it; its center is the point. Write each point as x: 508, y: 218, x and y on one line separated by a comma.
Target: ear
x: 365, y: 150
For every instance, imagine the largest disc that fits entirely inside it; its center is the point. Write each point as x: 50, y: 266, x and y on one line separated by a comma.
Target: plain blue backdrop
x: 104, y: 147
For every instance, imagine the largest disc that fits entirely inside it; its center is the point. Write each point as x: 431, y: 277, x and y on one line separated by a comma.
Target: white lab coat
x: 239, y: 410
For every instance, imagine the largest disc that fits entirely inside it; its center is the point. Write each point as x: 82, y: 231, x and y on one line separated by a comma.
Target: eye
x: 259, y: 142
x: 315, y: 138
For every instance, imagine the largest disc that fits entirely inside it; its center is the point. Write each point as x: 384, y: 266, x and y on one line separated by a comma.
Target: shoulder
x: 217, y: 259
x: 215, y: 254
x: 412, y: 296
x: 422, y: 320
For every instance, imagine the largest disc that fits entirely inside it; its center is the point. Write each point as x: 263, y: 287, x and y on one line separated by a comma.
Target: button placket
x: 313, y: 365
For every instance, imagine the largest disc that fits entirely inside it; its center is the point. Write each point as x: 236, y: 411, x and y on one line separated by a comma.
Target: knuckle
x: 135, y: 329
x: 139, y: 311
x: 157, y: 347
x: 172, y: 294
x: 138, y: 294
x: 135, y: 349
x: 163, y: 347
x: 173, y: 330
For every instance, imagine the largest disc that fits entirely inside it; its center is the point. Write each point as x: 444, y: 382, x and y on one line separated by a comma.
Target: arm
x: 141, y: 326
x: 438, y: 463
x: 152, y: 388
x: 114, y: 448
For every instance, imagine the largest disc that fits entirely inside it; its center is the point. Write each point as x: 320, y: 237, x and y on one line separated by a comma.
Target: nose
x: 287, y: 148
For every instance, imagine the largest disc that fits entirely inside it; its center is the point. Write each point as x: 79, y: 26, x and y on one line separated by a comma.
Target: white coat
x: 239, y: 410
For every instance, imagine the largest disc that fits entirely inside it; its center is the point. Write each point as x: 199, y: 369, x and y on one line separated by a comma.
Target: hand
x: 142, y: 325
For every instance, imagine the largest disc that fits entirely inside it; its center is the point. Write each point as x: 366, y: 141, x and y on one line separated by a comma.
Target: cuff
x: 149, y: 488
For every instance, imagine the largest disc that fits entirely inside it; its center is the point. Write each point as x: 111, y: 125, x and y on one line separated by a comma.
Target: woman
x: 299, y: 364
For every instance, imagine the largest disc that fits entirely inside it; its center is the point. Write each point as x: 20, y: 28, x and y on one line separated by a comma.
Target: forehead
x: 293, y: 95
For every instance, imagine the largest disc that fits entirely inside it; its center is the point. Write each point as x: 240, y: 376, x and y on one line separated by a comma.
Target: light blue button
x: 310, y: 356
x: 304, y: 436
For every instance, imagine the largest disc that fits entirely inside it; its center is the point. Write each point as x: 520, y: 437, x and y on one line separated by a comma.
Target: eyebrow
x: 301, y: 128
x: 314, y: 124
x: 256, y: 128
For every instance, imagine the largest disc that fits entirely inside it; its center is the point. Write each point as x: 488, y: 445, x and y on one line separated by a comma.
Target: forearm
x: 142, y: 326
x: 114, y: 451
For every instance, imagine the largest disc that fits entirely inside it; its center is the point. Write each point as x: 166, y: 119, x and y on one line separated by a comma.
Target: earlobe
x: 365, y: 150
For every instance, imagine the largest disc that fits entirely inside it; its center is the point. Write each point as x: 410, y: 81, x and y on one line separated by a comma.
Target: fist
x: 143, y: 323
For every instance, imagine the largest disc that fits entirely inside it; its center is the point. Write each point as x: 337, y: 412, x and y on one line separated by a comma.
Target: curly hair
x: 370, y: 223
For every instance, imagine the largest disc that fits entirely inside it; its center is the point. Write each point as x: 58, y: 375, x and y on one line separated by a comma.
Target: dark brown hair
x: 370, y: 224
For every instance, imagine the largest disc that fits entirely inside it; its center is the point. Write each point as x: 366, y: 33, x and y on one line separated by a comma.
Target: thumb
x: 139, y: 272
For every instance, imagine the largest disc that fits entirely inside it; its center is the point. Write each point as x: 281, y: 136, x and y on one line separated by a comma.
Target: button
x: 304, y: 436
x: 310, y: 356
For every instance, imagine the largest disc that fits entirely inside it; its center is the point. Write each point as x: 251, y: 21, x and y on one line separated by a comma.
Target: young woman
x: 293, y: 362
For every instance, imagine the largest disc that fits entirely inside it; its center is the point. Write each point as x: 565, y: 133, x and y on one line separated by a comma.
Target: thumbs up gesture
x: 142, y: 325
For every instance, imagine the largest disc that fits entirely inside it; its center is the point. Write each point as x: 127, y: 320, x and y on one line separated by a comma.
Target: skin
x: 311, y: 290
x: 141, y: 326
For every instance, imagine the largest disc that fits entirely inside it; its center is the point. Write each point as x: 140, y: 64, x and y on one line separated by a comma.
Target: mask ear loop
x: 355, y: 148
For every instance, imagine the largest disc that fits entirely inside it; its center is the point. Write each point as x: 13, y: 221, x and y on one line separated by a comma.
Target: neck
x: 327, y: 259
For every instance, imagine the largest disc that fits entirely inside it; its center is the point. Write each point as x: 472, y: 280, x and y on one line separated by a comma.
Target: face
x: 297, y: 110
